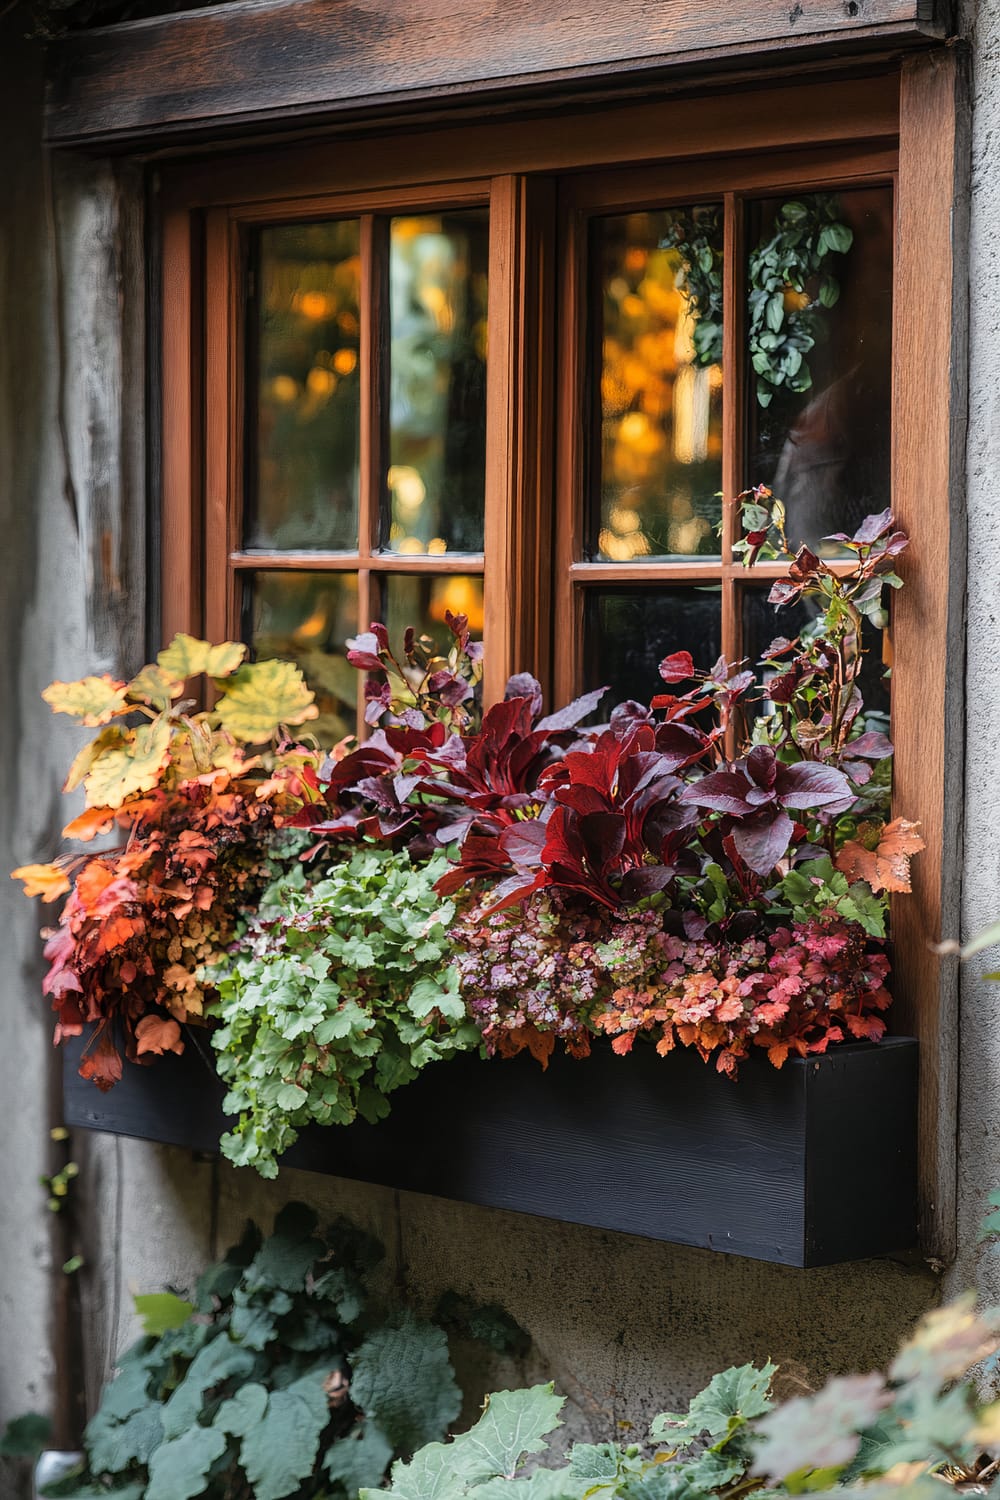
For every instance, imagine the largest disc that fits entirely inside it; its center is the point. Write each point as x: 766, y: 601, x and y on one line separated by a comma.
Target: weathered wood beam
x: 261, y: 63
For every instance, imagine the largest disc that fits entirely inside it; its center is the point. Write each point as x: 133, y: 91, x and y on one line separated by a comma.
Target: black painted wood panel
x: 811, y: 1165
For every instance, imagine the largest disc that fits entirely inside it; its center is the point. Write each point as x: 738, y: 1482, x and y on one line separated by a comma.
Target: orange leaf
x: 103, y: 1064
x: 887, y: 866
x: 90, y: 823
x: 157, y: 1035
x: 94, y: 878
x: 48, y: 881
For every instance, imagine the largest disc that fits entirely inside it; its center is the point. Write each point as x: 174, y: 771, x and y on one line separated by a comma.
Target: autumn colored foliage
x: 193, y: 798
x: 710, y: 870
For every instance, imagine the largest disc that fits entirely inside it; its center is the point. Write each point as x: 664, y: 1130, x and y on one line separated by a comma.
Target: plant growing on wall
x: 284, y: 1376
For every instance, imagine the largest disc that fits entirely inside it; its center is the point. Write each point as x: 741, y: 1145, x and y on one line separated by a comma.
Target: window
x: 596, y: 460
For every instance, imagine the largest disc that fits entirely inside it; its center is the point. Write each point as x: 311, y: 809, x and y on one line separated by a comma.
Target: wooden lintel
x: 266, y: 63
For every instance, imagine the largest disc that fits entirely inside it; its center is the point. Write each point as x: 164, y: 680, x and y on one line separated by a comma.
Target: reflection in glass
x: 305, y: 368
x: 661, y: 384
x: 437, y: 405
x: 422, y: 601
x: 820, y: 274
x: 762, y: 624
x: 307, y: 618
x: 627, y: 631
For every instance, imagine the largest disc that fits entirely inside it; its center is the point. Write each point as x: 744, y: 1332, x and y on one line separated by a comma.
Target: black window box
x: 807, y: 1166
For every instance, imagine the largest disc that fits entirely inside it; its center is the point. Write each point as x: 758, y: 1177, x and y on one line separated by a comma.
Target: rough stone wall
x: 979, y: 1063
x: 624, y: 1326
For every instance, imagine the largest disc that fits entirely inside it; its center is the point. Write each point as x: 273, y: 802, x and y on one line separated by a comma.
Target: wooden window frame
x: 904, y: 124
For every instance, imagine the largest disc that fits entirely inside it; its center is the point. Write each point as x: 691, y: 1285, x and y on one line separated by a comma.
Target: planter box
x: 806, y: 1166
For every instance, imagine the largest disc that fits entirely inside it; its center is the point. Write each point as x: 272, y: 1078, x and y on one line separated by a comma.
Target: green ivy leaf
x: 112, y: 1446
x: 179, y: 1468
x: 243, y: 1411
x: 26, y: 1436
x: 218, y: 1361
x: 728, y: 1401
x: 359, y: 1461
x: 403, y: 1379
x: 280, y: 1449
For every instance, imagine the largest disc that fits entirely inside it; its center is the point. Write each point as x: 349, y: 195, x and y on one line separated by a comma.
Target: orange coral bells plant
x: 196, y: 796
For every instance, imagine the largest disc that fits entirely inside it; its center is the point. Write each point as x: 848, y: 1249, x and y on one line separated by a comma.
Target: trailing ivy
x: 284, y: 1377
x: 340, y: 991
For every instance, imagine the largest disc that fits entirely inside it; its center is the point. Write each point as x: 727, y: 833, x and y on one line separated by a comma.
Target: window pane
x: 307, y: 618
x: 820, y: 346
x: 657, y: 494
x: 305, y: 370
x: 437, y: 404
x: 629, y: 630
x: 409, y: 599
x: 762, y: 624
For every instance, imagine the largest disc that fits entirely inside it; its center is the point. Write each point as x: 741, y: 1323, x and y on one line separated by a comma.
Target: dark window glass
x: 437, y: 401
x: 659, y: 399
x: 307, y: 618
x: 762, y: 624
x: 422, y: 601
x: 304, y: 368
x: 820, y: 313
x: 629, y: 630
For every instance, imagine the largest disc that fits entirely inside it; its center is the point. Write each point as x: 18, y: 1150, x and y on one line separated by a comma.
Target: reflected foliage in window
x: 307, y: 618
x: 820, y: 355
x: 437, y: 400
x: 305, y: 368
x: 660, y: 280
x: 627, y: 631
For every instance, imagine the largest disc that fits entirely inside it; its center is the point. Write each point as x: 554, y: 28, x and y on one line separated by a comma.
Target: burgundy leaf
x: 523, y: 843
x: 678, y: 667
x: 783, y: 591
x: 381, y: 635
x: 809, y: 784
x: 762, y: 766
x: 724, y: 791
x: 872, y: 527
x: 573, y: 713
x: 523, y: 685
x: 763, y: 839
x: 870, y: 746
x: 362, y: 652
x: 636, y: 884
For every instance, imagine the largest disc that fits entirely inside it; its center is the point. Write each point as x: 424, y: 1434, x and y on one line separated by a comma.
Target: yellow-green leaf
x: 186, y: 656
x: 92, y: 700
x: 134, y: 767
x: 262, y: 696
x: 156, y: 687
x: 83, y: 760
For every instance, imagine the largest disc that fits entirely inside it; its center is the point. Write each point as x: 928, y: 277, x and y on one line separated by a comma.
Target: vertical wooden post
x: 181, y: 526
x: 929, y: 407
x: 518, y: 432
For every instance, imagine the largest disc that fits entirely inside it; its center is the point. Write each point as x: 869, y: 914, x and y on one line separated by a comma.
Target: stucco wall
x: 624, y: 1326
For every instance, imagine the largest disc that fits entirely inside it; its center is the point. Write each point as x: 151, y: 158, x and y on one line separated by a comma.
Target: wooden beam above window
x: 255, y: 64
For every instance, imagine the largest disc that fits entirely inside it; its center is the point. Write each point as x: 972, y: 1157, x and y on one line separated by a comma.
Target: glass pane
x: 409, y: 599
x: 661, y: 384
x: 305, y: 369
x: 307, y: 618
x: 437, y: 403
x: 820, y: 343
x: 762, y: 624
x: 627, y: 631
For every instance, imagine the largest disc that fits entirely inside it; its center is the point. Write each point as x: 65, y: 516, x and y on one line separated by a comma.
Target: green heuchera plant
x: 339, y: 992
x: 892, y: 1436
x: 284, y: 1376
